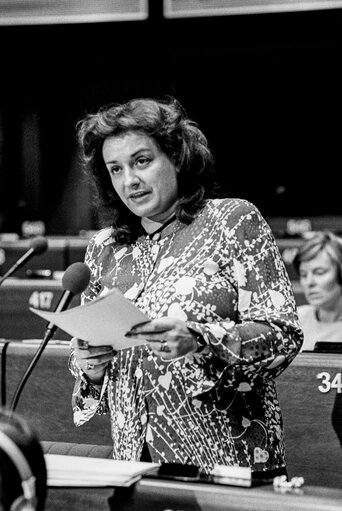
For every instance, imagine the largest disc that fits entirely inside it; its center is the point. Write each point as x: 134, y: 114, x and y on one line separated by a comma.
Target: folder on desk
x: 219, y: 475
x: 79, y: 471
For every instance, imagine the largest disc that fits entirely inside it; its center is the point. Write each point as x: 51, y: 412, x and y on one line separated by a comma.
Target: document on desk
x: 102, y: 321
x: 78, y: 471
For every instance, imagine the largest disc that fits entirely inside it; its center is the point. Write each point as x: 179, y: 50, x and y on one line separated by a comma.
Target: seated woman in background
x: 319, y: 265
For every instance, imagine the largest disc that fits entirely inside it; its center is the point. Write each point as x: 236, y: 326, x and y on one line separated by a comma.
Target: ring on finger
x: 89, y: 365
x: 164, y: 347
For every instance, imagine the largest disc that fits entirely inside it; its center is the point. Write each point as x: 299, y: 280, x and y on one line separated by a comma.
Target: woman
x: 319, y: 266
x: 208, y: 274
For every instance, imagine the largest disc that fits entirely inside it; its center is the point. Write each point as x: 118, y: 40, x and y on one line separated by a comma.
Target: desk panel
x: 78, y: 499
x: 149, y: 495
x: 313, y: 449
x: 17, y: 295
x: 46, y: 399
x: 54, y: 258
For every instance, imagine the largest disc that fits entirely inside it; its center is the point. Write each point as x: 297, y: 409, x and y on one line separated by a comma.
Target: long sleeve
x: 87, y: 398
x: 265, y: 334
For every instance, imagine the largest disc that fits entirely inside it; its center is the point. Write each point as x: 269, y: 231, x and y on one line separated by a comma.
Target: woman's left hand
x: 167, y: 337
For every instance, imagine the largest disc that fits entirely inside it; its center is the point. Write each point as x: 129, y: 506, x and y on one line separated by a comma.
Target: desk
x: 151, y: 495
x: 312, y: 446
x: 46, y: 399
x: 17, y: 296
x: 54, y: 259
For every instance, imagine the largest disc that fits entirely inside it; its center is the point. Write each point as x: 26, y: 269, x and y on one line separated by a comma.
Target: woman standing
x: 208, y: 273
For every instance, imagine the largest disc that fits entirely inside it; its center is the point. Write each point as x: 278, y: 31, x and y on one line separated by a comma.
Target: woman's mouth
x: 140, y: 195
x: 313, y: 296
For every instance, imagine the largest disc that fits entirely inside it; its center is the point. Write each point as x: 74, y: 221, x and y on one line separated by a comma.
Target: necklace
x: 155, y: 235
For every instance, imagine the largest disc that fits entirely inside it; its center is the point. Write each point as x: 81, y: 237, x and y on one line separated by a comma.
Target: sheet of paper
x: 71, y: 471
x: 100, y: 322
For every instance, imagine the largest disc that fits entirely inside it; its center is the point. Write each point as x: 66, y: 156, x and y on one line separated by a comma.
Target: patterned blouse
x: 223, y: 275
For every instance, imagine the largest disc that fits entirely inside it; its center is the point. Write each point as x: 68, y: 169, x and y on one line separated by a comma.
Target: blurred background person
x: 23, y: 474
x: 319, y: 266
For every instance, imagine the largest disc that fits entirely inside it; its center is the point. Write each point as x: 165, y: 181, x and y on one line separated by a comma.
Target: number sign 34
x: 330, y: 382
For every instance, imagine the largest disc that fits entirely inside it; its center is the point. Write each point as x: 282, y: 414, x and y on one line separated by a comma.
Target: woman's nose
x: 310, y: 280
x: 130, y: 178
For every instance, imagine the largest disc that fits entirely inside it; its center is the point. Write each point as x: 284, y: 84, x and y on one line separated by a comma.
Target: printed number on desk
x: 329, y: 382
x: 41, y: 299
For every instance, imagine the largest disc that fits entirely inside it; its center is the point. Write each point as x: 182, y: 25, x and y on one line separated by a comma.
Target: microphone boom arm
x: 16, y: 396
x: 75, y: 280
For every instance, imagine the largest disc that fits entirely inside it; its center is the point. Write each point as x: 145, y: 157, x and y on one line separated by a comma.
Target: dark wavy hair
x: 177, y: 136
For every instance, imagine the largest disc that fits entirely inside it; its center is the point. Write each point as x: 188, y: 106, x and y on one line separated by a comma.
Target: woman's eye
x: 114, y: 170
x: 142, y: 161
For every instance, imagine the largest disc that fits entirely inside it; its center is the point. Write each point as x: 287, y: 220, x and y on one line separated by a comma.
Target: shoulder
x: 237, y: 214
x: 233, y: 206
x: 100, y: 239
x: 102, y: 236
x: 229, y: 202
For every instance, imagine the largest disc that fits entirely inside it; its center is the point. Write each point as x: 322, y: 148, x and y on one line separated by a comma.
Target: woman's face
x: 142, y: 175
x: 319, y: 279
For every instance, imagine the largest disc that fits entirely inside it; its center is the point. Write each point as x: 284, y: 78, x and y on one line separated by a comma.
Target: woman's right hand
x: 93, y: 360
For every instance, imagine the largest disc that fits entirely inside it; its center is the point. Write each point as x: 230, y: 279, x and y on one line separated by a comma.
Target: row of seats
x: 64, y: 251
x: 17, y: 296
x: 61, y: 252
x: 19, y: 293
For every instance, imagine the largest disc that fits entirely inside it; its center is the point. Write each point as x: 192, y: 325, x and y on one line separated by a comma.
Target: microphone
x: 74, y: 281
x: 37, y: 246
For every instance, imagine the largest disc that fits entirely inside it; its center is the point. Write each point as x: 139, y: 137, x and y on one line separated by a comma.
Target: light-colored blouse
x: 224, y: 276
x: 314, y: 330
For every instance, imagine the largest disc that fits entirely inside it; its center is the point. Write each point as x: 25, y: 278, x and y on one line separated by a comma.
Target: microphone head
x: 76, y: 278
x: 39, y: 245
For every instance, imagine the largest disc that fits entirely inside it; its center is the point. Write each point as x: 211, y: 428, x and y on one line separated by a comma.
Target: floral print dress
x: 223, y: 275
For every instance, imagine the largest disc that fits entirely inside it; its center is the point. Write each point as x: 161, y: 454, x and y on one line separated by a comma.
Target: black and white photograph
x: 170, y: 255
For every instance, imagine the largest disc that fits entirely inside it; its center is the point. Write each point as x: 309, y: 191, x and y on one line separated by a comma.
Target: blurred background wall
x: 263, y: 84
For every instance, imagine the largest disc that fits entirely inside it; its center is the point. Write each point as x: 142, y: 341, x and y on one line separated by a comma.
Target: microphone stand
x: 38, y: 246
x: 48, y: 335
x: 74, y: 281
